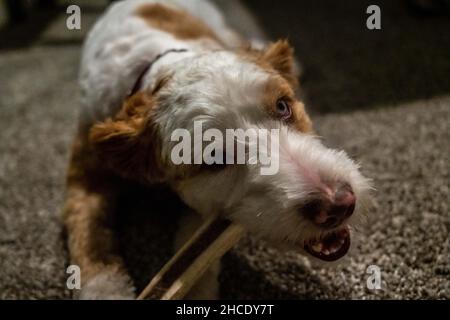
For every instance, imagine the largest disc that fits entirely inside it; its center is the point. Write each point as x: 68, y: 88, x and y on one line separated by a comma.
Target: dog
x: 149, y: 68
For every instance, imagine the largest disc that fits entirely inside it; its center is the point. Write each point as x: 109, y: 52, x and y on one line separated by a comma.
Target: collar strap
x: 147, y: 67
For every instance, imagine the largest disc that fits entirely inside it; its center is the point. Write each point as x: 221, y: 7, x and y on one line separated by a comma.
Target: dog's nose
x: 330, y: 212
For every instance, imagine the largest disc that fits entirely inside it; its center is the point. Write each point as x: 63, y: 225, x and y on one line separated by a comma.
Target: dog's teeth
x: 317, y: 247
x: 334, y: 249
x: 326, y: 252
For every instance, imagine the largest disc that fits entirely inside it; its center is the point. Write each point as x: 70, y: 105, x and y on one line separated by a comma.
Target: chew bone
x: 211, y: 241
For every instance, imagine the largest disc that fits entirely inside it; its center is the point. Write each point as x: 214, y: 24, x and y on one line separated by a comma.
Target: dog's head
x: 178, y: 131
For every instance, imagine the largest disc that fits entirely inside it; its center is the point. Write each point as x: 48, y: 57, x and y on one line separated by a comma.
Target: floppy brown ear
x: 129, y: 143
x: 280, y: 55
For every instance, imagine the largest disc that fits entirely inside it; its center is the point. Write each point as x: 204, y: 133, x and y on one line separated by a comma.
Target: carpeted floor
x: 403, y: 147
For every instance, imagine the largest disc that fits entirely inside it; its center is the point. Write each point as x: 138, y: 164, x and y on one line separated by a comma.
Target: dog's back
x: 130, y: 35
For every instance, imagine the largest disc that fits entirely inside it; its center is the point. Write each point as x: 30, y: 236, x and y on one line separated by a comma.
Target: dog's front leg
x: 87, y: 215
x: 207, y: 288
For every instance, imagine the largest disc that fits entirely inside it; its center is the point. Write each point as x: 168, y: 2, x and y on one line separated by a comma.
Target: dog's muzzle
x: 329, y: 211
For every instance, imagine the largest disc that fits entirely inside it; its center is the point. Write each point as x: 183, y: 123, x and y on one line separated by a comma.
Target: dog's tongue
x: 331, y: 247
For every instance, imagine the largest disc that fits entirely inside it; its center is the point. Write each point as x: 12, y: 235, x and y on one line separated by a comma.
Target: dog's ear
x: 280, y: 55
x: 129, y: 143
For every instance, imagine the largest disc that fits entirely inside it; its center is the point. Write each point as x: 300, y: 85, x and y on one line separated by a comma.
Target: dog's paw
x: 108, y: 286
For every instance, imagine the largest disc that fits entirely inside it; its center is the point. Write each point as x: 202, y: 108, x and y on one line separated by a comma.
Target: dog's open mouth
x: 331, y: 247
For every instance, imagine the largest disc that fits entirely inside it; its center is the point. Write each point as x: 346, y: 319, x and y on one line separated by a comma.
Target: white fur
x: 121, y: 43
x: 214, y: 87
x: 108, y: 286
x: 268, y: 205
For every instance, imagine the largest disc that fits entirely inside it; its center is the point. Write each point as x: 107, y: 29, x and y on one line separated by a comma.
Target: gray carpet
x: 403, y: 147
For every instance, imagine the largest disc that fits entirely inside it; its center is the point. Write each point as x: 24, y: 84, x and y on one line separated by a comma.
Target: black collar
x: 138, y: 83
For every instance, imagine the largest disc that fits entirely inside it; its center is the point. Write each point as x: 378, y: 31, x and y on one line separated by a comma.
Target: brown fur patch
x: 277, y: 88
x: 89, y: 200
x: 276, y: 57
x: 177, y: 22
x: 126, y: 144
x: 129, y: 143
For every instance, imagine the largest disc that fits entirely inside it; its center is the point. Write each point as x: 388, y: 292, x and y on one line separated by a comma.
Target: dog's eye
x: 284, y: 111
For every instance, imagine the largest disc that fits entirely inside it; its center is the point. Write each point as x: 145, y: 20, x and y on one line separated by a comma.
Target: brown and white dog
x: 152, y: 67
